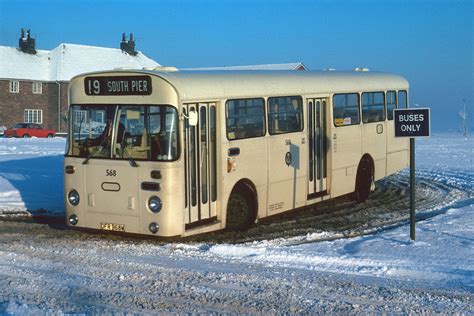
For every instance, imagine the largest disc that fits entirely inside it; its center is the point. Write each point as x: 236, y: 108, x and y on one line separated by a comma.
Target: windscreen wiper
x: 86, y: 161
x: 132, y: 161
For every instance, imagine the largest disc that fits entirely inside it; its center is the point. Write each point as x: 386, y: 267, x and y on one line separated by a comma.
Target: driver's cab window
x: 163, y: 128
x: 131, y: 136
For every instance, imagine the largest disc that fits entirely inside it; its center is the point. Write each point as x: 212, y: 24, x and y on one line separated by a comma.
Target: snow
x: 46, y: 269
x: 66, y: 61
x: 15, y: 64
x: 25, y: 189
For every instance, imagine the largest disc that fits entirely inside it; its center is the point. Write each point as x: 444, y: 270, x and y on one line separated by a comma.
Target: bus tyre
x: 241, y: 209
x: 50, y: 136
x: 364, y: 179
x: 26, y: 136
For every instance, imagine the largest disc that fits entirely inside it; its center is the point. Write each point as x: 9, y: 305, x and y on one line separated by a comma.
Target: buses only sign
x: 412, y: 122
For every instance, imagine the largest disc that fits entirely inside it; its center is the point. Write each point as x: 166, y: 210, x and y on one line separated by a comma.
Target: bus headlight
x: 154, y: 204
x: 73, y: 219
x: 73, y: 197
x: 153, y: 227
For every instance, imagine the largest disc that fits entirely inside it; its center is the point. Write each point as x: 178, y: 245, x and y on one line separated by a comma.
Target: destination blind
x: 118, y: 85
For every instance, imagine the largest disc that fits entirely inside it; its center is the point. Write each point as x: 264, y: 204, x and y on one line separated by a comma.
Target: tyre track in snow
x: 387, y: 207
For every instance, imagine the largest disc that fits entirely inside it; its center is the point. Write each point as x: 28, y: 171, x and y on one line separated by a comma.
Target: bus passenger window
x: 391, y: 104
x: 373, y: 107
x: 346, y: 109
x: 285, y: 115
x: 245, y: 118
x: 402, y: 99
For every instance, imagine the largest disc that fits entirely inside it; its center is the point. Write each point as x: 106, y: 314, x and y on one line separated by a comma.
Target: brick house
x: 34, y: 83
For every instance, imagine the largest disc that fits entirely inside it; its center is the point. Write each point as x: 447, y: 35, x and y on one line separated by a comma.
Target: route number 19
x: 93, y: 86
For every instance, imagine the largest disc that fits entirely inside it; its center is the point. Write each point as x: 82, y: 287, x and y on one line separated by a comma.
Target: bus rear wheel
x: 241, y: 209
x: 365, y: 174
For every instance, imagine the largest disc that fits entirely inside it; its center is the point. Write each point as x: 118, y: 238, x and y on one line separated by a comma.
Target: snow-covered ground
x: 50, y: 269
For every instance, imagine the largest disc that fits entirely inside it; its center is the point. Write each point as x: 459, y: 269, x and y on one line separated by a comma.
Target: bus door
x: 317, y: 147
x: 200, y: 154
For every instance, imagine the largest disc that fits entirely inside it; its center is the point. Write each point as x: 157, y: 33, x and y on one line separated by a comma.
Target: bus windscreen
x: 138, y: 132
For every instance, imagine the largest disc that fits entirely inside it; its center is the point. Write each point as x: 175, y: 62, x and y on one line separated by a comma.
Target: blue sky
x: 428, y: 42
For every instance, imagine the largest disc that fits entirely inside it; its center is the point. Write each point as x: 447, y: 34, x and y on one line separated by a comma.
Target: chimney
x: 123, y: 43
x: 27, y: 45
x: 128, y: 46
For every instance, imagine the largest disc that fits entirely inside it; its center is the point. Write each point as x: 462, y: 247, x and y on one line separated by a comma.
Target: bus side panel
x: 374, y: 143
x: 346, y: 154
x: 397, y: 150
x: 286, y: 172
x: 249, y: 165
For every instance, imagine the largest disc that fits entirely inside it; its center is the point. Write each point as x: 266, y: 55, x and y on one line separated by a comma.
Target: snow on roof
x: 288, y: 66
x: 66, y: 61
x: 14, y: 64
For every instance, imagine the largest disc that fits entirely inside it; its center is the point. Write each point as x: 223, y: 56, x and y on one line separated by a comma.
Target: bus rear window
x: 245, y: 118
x: 346, y: 109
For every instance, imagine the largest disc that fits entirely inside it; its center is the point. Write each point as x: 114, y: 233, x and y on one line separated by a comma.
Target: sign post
x: 412, y: 123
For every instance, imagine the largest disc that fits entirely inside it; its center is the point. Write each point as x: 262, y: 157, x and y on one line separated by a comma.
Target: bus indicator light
x: 70, y: 169
x: 155, y: 174
x: 73, y: 219
x: 153, y: 227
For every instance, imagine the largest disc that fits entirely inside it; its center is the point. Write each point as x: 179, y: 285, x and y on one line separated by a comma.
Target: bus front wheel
x: 241, y: 209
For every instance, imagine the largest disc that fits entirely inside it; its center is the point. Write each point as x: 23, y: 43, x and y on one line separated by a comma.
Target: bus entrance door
x: 317, y: 147
x: 200, y: 166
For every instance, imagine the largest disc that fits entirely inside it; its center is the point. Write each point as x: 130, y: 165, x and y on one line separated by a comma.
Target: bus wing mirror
x: 192, y: 118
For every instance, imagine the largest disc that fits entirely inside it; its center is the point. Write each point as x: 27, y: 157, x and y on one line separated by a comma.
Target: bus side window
x: 391, y: 104
x: 285, y: 115
x: 373, y: 107
x: 245, y: 118
x: 402, y: 99
x: 346, y: 109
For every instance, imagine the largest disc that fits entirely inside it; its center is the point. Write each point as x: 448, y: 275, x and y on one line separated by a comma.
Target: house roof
x: 287, y: 66
x: 66, y: 61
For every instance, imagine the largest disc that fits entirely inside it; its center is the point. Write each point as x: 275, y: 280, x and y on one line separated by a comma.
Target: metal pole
x: 412, y: 188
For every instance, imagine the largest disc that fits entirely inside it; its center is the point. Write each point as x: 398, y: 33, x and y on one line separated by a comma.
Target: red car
x: 26, y: 130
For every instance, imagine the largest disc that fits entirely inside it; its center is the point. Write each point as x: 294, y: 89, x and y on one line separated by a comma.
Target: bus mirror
x: 192, y: 118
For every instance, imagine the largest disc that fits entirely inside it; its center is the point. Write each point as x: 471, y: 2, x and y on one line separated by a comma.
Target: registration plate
x: 112, y: 227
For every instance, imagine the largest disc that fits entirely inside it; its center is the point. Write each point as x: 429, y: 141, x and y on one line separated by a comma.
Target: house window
x: 14, y: 86
x: 33, y: 116
x: 37, y: 88
x: 80, y: 116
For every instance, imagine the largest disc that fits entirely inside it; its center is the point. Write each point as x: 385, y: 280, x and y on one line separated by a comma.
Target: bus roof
x: 208, y: 85
x: 193, y: 85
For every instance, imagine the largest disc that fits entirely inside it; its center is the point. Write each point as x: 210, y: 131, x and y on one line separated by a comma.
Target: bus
x: 174, y: 153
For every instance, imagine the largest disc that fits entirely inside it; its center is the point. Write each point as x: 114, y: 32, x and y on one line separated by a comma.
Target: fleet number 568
x: 111, y: 173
